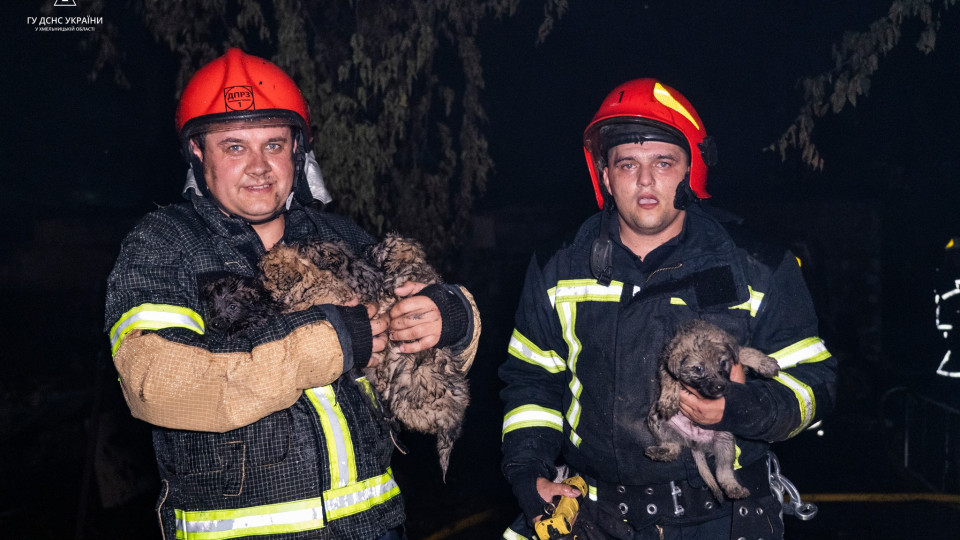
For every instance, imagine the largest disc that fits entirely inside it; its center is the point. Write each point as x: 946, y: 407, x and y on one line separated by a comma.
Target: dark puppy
x: 236, y: 304
x: 701, y: 356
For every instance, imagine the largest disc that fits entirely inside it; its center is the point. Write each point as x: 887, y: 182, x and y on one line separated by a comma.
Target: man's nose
x: 258, y: 163
x: 645, y: 176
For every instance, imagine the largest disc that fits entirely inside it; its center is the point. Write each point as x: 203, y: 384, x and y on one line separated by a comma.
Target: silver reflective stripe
x: 343, y: 470
x: 580, y: 290
x: 532, y: 416
x: 522, y: 348
x: 565, y: 297
x: 258, y: 520
x: 154, y: 317
x: 356, y: 498
x: 568, y: 321
x: 805, y: 399
x: 804, y: 351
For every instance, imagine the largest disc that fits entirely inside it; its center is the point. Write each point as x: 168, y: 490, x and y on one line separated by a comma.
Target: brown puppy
x: 423, y: 391
x: 426, y: 391
x: 700, y: 356
x: 317, y: 272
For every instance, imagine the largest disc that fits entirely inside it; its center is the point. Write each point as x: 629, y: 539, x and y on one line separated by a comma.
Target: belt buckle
x: 675, y: 493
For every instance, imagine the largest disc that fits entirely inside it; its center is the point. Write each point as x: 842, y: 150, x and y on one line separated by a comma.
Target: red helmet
x: 648, y: 110
x: 237, y: 87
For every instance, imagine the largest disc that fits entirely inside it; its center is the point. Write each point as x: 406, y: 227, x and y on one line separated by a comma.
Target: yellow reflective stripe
x: 359, y: 496
x: 580, y: 290
x: 282, y: 518
x: 677, y: 301
x: 736, y: 458
x: 511, y: 534
x: 527, y: 416
x: 154, y: 317
x: 289, y: 517
x: 805, y: 399
x: 663, y: 96
x: 524, y: 349
x: 567, y: 312
x: 805, y: 351
x: 753, y: 304
x: 336, y: 434
x: 368, y: 390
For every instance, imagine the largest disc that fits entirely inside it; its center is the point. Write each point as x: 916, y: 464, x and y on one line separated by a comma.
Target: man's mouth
x: 647, y: 201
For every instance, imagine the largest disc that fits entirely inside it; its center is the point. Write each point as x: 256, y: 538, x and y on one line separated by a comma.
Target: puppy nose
x: 719, y: 388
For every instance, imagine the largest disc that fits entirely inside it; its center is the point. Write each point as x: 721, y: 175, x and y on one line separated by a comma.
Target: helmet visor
x: 628, y: 132
x: 237, y: 120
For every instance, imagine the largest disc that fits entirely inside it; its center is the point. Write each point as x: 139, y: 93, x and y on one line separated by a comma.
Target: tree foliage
x: 856, y: 58
x: 394, y: 89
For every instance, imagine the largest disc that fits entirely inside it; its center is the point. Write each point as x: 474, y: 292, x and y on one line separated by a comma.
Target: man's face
x: 249, y: 170
x: 643, y: 179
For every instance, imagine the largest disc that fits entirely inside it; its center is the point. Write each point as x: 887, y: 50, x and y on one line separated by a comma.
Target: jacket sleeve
x: 174, y: 375
x: 533, y: 394
x: 465, y: 349
x: 805, y: 389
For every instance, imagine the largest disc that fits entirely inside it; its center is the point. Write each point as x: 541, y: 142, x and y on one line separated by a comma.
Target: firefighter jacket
x: 581, y: 374
x: 255, y: 435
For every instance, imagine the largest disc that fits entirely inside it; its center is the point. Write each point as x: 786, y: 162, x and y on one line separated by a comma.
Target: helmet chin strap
x: 684, y: 196
x: 195, y: 179
x: 601, y: 253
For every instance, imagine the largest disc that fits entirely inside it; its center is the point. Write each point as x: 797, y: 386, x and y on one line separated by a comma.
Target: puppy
x: 236, y: 305
x: 425, y: 391
x: 422, y: 391
x: 701, y: 355
x: 316, y: 272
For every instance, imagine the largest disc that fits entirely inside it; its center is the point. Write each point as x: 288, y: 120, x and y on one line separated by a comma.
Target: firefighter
x: 267, y: 434
x: 594, y: 315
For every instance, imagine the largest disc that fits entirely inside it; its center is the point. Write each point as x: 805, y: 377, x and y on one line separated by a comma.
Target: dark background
x: 82, y: 160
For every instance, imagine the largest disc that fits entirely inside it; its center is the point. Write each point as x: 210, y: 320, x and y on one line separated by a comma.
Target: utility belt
x: 681, y: 502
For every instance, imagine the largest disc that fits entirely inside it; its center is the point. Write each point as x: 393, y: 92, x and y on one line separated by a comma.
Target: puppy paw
x: 768, y: 367
x: 760, y: 363
x: 663, y: 452
x: 736, y: 491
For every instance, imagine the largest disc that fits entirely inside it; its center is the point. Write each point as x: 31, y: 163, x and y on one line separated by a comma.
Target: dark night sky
x: 875, y: 219
x: 738, y: 62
